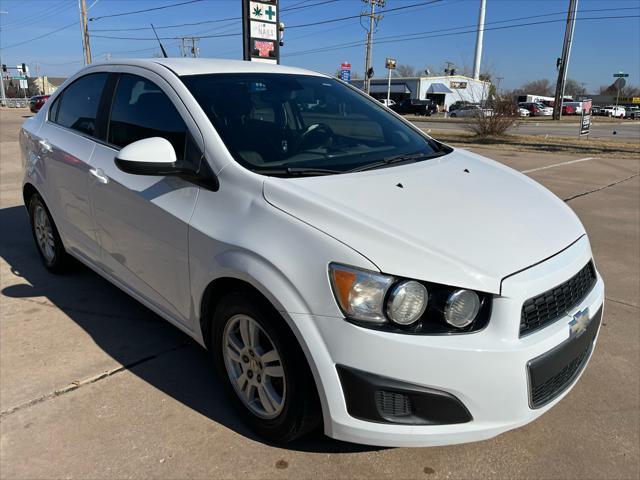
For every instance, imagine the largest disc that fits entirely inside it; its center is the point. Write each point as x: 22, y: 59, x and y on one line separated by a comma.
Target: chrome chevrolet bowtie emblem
x: 579, y: 323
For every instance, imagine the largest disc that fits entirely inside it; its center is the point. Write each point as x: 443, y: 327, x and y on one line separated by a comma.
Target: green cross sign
x: 270, y: 12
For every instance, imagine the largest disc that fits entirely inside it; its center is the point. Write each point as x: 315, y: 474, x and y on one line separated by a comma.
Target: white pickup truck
x: 612, y: 111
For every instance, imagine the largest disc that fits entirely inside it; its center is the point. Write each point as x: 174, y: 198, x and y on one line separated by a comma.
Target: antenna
x: 164, y: 52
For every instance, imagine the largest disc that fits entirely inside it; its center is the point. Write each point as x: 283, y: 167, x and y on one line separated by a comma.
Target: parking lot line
x: 559, y: 164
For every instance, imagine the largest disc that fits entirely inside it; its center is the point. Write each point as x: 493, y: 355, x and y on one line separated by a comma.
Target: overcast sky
x: 444, y: 32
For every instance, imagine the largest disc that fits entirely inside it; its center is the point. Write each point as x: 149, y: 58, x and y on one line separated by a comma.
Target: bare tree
x: 538, y: 87
x: 626, y: 91
x: 404, y: 70
x: 496, y: 123
x: 573, y: 88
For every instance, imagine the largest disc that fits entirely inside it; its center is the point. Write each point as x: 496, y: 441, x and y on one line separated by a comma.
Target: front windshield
x: 280, y: 123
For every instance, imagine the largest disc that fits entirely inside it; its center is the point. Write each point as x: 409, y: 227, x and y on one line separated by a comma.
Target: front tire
x: 46, y: 236
x: 263, y: 369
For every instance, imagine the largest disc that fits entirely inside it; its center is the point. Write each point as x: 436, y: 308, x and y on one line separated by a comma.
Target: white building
x: 444, y: 90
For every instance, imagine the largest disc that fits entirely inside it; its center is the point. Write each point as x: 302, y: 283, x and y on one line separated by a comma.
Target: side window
x: 53, y: 110
x: 142, y: 110
x: 78, y: 105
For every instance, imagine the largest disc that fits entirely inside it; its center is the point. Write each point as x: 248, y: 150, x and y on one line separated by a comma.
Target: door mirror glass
x: 150, y: 156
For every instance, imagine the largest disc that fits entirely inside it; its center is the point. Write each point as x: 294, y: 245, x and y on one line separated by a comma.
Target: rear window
x: 77, y: 108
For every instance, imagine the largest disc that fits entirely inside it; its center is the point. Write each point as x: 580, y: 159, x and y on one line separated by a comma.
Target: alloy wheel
x: 254, y: 366
x: 44, y: 233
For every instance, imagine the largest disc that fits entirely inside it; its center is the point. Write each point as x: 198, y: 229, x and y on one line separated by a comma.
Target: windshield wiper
x: 410, y: 158
x: 297, y: 171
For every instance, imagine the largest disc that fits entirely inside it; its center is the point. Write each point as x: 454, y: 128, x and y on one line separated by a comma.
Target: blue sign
x: 345, y: 75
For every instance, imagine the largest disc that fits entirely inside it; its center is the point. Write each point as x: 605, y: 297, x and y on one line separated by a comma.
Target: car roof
x: 201, y: 66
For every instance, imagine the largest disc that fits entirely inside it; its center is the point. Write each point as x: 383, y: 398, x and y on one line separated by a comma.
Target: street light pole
x: 390, y: 64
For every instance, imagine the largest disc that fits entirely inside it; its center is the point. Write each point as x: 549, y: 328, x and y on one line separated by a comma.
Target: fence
x: 16, y: 103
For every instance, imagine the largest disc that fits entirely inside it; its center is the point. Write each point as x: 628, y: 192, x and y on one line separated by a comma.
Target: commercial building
x: 444, y: 90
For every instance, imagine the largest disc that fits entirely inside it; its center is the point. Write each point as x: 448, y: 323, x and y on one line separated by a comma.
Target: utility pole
x: 2, y: 96
x: 86, y: 47
x: 479, y: 40
x: 373, y: 20
x: 186, y: 51
x: 563, y: 62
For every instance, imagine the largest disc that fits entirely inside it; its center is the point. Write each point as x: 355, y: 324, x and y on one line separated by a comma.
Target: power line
x: 404, y: 7
x: 41, y: 36
x: 359, y: 43
x: 204, y: 22
x: 145, y: 10
x: 50, y: 12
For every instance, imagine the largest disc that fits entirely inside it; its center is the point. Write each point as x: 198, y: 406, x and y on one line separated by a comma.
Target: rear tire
x: 263, y: 368
x: 48, y: 241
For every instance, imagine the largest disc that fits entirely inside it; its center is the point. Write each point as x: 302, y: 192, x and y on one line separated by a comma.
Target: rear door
x: 67, y: 140
x: 142, y: 221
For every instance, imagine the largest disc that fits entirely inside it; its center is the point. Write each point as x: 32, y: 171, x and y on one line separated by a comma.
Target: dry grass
x: 531, y: 143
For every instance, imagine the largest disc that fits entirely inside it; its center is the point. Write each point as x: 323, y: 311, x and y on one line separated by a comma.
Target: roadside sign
x: 585, y: 119
x: 345, y: 72
x: 390, y: 63
x: 620, y: 75
x: 260, y: 30
x: 23, y: 84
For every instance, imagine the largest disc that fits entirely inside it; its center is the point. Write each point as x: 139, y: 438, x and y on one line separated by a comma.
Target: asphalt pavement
x: 94, y: 385
x: 627, y: 130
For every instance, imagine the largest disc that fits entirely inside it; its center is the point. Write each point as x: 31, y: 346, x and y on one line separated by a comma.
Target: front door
x: 142, y: 221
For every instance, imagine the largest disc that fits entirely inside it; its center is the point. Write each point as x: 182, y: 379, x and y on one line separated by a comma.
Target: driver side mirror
x: 150, y: 156
x: 156, y: 156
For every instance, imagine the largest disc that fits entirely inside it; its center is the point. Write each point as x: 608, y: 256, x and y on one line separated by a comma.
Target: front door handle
x: 45, y: 146
x: 101, y: 177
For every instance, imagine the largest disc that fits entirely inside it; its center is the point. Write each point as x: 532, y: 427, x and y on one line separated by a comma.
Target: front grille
x: 547, y: 391
x: 543, y: 309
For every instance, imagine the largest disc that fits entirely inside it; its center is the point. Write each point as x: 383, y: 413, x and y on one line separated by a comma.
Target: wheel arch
x: 28, y: 190
x: 219, y: 287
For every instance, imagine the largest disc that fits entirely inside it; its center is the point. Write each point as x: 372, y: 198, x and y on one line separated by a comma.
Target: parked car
x: 632, y: 113
x: 36, y: 102
x: 386, y: 102
x: 410, y: 106
x: 341, y: 267
x: 612, y: 111
x: 577, y: 107
x: 458, y: 104
x: 523, y: 112
x: 471, y: 111
x: 537, y: 109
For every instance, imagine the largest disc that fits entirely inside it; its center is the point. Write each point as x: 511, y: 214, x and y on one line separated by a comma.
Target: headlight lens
x: 407, y: 302
x: 384, y: 302
x: 461, y: 308
x: 360, y: 293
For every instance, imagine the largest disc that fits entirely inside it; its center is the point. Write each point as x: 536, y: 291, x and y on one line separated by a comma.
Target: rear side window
x: 79, y: 103
x: 142, y: 110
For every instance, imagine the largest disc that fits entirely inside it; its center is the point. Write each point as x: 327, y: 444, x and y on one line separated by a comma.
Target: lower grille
x: 392, y: 404
x: 546, y: 308
x: 548, y: 390
x: 553, y: 372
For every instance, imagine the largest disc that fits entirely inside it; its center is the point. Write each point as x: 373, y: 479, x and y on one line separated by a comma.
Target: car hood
x: 461, y: 219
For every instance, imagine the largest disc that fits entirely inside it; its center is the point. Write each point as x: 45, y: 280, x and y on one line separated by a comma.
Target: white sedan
x: 343, y: 269
x: 471, y: 111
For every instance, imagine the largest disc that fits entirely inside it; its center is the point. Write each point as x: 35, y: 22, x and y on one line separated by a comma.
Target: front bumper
x: 487, y: 371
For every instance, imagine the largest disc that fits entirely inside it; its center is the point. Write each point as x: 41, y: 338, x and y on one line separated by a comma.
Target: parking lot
x: 94, y: 385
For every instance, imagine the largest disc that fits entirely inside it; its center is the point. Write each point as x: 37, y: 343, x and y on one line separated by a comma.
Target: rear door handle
x: 45, y: 146
x: 101, y: 177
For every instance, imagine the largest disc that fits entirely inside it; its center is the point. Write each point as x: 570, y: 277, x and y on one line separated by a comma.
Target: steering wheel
x: 316, y: 135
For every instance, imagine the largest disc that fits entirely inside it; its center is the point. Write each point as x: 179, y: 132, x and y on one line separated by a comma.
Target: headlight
x: 384, y: 302
x: 360, y: 293
x: 407, y: 302
x: 461, y: 308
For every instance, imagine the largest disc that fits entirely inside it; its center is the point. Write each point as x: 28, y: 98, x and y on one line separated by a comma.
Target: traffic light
x: 4, y: 68
x: 24, y: 69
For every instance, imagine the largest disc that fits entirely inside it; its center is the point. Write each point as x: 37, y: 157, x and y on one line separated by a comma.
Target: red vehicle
x: 36, y: 102
x: 566, y: 109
